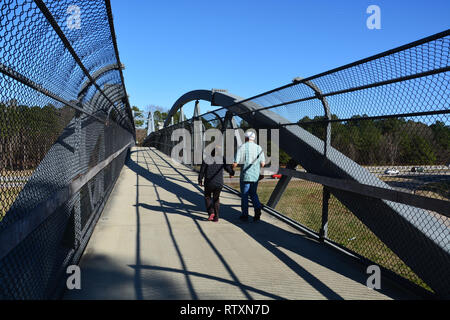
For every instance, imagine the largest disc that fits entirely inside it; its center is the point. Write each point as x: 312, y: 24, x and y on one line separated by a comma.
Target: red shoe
x: 211, y: 217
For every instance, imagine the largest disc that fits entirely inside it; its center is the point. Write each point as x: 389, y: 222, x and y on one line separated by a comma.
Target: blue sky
x: 249, y: 46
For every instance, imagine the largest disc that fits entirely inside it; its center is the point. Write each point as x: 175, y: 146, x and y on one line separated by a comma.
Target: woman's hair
x: 213, y: 152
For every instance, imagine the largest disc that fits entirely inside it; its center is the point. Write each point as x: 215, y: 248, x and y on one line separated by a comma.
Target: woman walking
x: 212, y: 174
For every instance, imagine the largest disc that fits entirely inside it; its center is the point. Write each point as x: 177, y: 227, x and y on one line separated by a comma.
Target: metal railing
x: 367, y: 153
x: 64, y: 136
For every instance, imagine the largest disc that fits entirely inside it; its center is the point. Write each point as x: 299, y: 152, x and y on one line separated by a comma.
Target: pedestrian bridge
x: 153, y: 241
x: 364, y: 151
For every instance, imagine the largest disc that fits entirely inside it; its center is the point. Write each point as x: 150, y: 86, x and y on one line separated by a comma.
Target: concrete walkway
x: 153, y: 242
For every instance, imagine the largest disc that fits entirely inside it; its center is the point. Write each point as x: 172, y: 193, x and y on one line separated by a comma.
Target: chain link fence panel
x: 64, y: 137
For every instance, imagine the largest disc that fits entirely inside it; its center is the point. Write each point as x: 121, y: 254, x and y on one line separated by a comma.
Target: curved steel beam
x: 318, y: 93
x: 222, y: 124
x: 114, y: 94
x: 110, y: 90
x: 113, y: 97
x: 402, y: 228
x: 94, y: 100
x: 121, y: 115
x: 179, y: 105
x: 205, y: 95
x: 95, y: 76
x: 326, y: 109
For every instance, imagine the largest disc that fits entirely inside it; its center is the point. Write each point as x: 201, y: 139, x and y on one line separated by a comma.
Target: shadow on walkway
x: 269, y: 236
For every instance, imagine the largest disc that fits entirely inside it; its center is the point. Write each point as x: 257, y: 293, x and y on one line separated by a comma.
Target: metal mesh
x: 381, y: 122
x: 347, y: 230
x: 302, y: 202
x: 65, y: 129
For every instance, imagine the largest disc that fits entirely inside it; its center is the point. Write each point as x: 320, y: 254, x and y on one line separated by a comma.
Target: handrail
x: 11, y: 237
x: 437, y: 205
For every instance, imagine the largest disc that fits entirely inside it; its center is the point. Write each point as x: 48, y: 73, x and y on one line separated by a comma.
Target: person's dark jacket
x: 213, y: 173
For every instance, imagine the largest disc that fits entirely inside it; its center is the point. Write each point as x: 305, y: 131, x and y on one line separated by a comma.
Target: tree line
x: 27, y: 133
x: 391, y: 141
x: 159, y: 116
x: 377, y: 142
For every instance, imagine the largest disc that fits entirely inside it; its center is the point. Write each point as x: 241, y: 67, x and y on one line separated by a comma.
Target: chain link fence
x: 65, y: 130
x: 379, y: 129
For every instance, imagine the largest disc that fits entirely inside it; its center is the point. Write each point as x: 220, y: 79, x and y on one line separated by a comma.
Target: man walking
x: 251, y: 156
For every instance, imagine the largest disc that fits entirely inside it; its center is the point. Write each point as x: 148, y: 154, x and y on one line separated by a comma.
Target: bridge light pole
x: 150, y: 123
x: 181, y: 115
x: 197, y: 109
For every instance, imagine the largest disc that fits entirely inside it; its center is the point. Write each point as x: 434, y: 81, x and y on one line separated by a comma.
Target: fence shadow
x: 271, y: 237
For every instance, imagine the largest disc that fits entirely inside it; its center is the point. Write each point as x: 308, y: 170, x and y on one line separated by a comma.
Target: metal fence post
x: 323, y: 233
x: 327, y: 113
x: 77, y: 204
x: 281, y: 186
x: 327, y: 145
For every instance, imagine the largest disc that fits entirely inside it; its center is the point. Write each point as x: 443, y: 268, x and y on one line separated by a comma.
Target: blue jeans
x: 249, y: 189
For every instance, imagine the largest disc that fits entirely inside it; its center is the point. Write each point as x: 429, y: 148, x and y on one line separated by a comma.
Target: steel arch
x: 318, y: 157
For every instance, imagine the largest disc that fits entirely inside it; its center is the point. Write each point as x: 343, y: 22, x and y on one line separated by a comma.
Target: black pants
x: 212, y: 199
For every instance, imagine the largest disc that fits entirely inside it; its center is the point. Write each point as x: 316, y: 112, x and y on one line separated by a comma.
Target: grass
x: 9, y: 194
x: 438, y: 190
x: 7, y: 198
x: 302, y: 202
x: 23, y: 173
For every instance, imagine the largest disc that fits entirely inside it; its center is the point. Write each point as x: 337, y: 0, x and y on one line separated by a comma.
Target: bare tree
x: 391, y: 147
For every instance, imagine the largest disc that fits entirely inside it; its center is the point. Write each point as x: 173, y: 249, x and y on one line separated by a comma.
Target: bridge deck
x: 153, y: 242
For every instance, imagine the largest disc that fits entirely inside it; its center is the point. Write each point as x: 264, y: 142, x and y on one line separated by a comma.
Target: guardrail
x: 437, y: 205
x: 65, y: 130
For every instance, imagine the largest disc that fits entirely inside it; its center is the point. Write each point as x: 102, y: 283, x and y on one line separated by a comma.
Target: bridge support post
x: 77, y: 224
x: 281, y: 186
x: 323, y: 233
x: 197, y: 109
